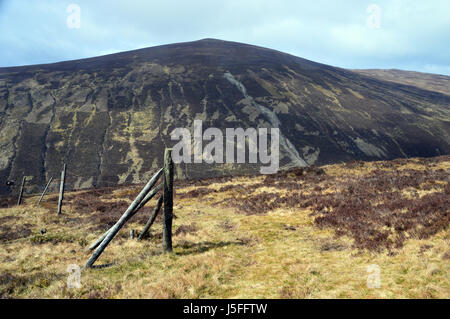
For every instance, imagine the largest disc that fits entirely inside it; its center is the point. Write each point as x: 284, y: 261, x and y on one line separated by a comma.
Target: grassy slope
x: 237, y: 242
x: 431, y: 82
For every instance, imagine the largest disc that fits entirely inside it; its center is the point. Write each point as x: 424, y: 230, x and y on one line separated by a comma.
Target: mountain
x: 431, y: 82
x: 109, y: 117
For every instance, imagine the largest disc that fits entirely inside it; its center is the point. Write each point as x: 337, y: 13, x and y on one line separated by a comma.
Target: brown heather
x: 301, y: 233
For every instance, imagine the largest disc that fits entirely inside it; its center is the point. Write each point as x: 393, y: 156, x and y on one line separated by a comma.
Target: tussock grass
x: 244, y: 237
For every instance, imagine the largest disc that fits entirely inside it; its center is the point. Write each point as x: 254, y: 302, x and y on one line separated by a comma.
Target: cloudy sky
x: 402, y: 34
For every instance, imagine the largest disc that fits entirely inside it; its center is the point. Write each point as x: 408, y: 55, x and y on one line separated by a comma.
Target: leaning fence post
x: 98, y: 241
x: 119, y: 224
x: 45, y: 190
x: 168, y: 200
x: 19, y: 201
x: 152, y: 218
x: 61, y: 189
x: 141, y: 204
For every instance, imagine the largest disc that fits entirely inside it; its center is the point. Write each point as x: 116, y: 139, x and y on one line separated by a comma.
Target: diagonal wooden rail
x: 115, y: 229
x: 148, y: 197
x: 45, y: 190
x: 152, y: 218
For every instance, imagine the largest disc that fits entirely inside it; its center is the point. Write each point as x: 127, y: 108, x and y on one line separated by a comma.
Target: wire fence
x: 73, y: 182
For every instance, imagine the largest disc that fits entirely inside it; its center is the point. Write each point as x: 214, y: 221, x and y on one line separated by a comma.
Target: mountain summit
x: 109, y: 117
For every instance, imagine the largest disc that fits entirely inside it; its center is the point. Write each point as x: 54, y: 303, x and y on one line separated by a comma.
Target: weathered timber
x: 61, y: 189
x: 19, y: 201
x: 98, y: 241
x: 148, y: 197
x: 152, y: 218
x: 115, y: 229
x: 168, y: 200
x: 45, y: 190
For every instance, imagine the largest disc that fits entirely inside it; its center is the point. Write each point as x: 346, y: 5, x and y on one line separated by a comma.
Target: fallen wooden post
x: 131, y: 233
x: 61, y: 189
x: 115, y: 229
x: 152, y: 218
x: 168, y: 200
x: 19, y: 201
x: 45, y: 190
x: 148, y: 197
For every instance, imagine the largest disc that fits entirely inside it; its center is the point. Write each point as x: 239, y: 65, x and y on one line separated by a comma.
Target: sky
x: 400, y: 34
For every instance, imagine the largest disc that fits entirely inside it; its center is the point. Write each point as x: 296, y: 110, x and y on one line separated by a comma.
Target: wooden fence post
x: 168, y: 200
x: 19, y: 201
x: 45, y: 190
x: 61, y: 189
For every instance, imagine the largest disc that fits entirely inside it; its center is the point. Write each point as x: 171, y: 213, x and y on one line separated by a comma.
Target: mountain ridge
x: 429, y: 81
x: 146, y: 49
x: 110, y: 117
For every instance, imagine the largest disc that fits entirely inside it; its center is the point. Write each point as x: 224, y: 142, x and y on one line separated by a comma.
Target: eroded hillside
x: 109, y: 118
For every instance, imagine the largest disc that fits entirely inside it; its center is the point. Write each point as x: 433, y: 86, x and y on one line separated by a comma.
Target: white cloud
x: 413, y: 34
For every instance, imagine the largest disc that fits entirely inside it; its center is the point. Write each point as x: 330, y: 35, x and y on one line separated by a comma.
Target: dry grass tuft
x: 303, y: 233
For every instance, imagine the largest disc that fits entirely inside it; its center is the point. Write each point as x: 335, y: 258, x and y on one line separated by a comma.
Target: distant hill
x: 110, y: 117
x: 431, y: 82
